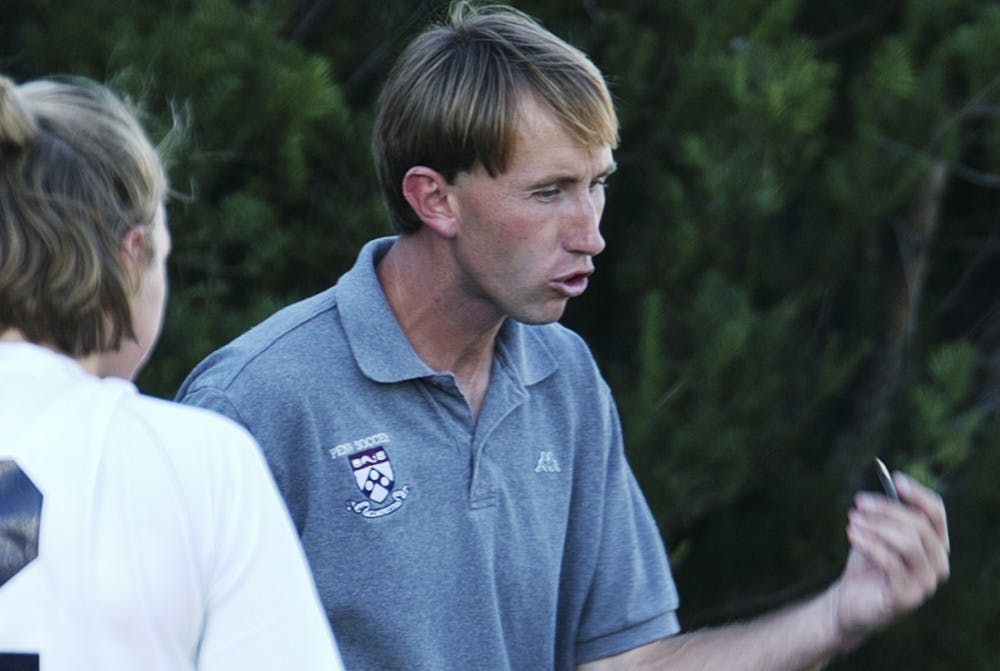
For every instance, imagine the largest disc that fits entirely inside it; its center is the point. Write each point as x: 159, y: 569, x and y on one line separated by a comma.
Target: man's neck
x: 449, y: 331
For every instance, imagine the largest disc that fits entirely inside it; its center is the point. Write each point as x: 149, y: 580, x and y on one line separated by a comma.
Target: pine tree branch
x: 987, y: 180
x: 976, y: 107
x: 914, y: 235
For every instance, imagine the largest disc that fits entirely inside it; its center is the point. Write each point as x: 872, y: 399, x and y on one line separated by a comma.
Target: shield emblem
x: 373, y: 473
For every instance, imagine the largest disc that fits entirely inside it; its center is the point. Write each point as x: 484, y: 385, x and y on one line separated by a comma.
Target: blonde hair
x: 452, y: 99
x: 76, y: 174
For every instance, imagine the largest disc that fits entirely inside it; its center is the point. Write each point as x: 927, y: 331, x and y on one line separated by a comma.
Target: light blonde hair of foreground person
x: 71, y: 151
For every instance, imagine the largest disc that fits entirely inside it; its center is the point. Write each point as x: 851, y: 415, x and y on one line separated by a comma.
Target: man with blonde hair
x: 450, y: 454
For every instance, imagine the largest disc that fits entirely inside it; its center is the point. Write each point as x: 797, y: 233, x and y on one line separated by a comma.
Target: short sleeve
x: 631, y: 600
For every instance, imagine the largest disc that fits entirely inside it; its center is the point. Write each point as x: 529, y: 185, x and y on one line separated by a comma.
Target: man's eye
x: 546, y: 194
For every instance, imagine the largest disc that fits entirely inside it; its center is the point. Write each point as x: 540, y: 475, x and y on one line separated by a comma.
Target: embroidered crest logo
x: 375, y: 478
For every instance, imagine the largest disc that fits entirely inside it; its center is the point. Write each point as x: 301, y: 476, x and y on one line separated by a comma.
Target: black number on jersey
x: 20, y: 515
x: 18, y: 662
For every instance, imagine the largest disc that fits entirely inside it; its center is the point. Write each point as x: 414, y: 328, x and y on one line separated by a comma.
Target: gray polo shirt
x: 518, y: 541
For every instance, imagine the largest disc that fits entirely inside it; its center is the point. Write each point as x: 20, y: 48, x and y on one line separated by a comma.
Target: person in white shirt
x: 134, y: 533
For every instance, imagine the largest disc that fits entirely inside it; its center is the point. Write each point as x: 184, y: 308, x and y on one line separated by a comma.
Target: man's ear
x: 426, y: 191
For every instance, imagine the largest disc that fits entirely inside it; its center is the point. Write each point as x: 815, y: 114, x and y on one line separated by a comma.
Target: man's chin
x: 548, y: 314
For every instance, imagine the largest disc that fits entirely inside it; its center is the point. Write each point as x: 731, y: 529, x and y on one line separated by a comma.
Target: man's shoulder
x: 282, y: 339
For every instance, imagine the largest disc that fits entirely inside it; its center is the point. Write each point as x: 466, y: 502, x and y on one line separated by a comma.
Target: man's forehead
x: 583, y: 125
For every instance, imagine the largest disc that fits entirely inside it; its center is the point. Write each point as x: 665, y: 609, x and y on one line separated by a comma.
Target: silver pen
x: 886, y: 480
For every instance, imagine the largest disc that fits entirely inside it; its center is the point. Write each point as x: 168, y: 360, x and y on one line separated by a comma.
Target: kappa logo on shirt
x: 374, y: 477
x: 547, y: 463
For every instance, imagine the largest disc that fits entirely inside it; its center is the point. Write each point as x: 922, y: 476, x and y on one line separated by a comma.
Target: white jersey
x: 161, y: 539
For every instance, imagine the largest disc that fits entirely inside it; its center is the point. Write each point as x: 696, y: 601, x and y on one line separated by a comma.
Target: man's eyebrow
x: 566, y: 180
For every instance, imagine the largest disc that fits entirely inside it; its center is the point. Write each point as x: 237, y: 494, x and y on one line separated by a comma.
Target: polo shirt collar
x: 380, y: 347
x: 525, y: 353
x: 384, y: 353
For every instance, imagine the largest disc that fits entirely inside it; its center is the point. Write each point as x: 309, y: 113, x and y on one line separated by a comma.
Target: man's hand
x: 899, y: 557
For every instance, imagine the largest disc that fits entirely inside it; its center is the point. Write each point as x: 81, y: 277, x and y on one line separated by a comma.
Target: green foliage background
x: 802, y: 248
